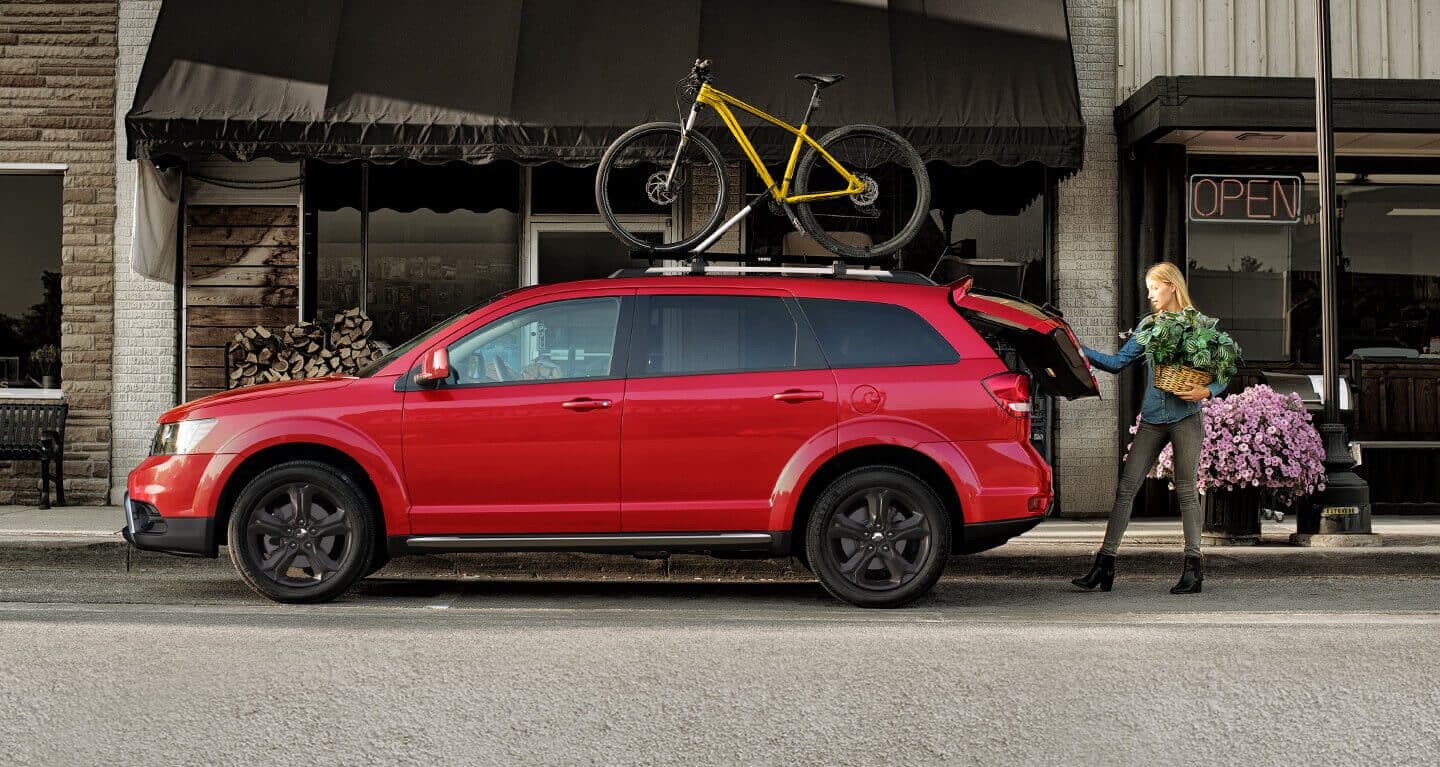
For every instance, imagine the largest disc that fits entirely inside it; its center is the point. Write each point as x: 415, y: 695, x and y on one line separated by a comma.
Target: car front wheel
x: 301, y: 531
x: 878, y: 537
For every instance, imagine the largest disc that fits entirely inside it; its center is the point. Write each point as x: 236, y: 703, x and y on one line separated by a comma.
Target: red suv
x: 863, y: 423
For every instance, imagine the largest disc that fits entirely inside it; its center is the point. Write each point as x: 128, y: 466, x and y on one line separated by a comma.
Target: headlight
x: 180, y: 437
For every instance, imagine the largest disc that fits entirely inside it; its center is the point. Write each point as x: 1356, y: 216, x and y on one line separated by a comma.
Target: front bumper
x: 170, y: 503
x: 186, y: 536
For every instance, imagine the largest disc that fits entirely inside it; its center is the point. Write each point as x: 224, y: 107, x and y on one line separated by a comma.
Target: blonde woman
x: 1164, y: 417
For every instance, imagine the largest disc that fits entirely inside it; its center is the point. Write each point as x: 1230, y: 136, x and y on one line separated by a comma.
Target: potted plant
x: 44, y: 360
x: 1186, y: 349
x: 1259, y: 444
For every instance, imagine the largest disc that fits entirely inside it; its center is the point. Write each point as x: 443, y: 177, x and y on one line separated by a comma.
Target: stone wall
x: 57, y: 105
x: 1086, y: 257
x: 144, y: 381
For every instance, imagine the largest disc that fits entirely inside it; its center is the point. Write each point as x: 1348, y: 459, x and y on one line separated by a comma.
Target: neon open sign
x: 1252, y: 199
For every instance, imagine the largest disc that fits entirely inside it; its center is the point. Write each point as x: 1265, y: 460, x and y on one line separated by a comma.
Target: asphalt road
x: 188, y: 667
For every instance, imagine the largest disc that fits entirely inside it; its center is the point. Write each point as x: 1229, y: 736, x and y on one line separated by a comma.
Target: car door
x: 1045, y: 343
x: 725, y: 387
x: 525, y: 436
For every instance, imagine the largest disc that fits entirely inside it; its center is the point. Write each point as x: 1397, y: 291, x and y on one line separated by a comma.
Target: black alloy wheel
x: 878, y: 537
x: 302, y: 531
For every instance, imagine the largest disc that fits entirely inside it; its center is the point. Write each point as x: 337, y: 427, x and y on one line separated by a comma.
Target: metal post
x: 1339, y: 514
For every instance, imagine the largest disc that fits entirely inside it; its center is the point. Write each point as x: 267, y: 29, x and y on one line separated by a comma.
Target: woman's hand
x: 1195, y: 394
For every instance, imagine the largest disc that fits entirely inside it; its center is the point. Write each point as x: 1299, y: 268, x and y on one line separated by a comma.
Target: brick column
x: 1087, y: 253
x: 702, y: 202
x: 57, y: 105
x: 144, y: 359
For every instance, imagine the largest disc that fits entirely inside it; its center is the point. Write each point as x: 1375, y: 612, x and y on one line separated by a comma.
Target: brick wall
x: 57, y: 105
x: 701, y: 204
x: 144, y: 382
x: 1086, y: 252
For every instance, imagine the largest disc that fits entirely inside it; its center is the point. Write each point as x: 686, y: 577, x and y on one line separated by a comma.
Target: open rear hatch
x: 1045, y: 343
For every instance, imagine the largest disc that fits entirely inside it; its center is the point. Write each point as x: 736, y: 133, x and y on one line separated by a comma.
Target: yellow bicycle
x: 861, y: 190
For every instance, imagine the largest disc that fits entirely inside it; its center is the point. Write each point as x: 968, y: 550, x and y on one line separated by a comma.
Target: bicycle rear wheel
x: 634, y: 180
x: 882, y: 218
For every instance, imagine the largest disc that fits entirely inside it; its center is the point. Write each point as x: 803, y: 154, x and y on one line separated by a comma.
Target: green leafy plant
x: 1191, y: 339
x: 44, y: 359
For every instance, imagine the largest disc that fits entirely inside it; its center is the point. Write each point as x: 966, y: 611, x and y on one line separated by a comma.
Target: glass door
x: 561, y: 250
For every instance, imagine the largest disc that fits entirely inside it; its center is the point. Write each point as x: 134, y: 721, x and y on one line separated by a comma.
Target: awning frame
x: 1279, y: 104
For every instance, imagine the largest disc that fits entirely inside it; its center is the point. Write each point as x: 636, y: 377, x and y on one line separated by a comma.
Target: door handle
x: 585, y: 403
x: 799, y: 395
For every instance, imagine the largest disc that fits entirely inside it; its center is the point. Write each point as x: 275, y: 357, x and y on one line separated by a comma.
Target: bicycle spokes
x: 651, y: 171
x: 882, y: 209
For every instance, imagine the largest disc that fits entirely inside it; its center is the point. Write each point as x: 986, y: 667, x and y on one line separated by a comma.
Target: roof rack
x: 837, y: 269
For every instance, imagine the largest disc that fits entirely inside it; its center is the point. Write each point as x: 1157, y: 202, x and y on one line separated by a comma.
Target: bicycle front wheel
x: 635, y: 180
x: 884, y: 216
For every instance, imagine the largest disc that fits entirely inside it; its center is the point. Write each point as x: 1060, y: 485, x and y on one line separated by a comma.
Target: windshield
x: 400, y: 350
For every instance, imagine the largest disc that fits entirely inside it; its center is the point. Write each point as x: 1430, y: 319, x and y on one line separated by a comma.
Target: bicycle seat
x: 823, y: 81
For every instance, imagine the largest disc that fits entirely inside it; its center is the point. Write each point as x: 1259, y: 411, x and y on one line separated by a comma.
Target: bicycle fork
x: 684, y: 139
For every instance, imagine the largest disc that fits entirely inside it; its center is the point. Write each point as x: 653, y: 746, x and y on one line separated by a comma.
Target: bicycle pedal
x: 867, y: 211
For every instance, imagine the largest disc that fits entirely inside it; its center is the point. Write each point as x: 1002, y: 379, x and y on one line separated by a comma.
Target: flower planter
x: 1232, y: 517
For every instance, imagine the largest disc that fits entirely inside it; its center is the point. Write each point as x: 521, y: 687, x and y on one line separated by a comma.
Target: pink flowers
x: 1257, y: 438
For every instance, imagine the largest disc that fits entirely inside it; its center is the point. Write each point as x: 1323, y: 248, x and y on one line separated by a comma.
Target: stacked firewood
x: 303, y: 350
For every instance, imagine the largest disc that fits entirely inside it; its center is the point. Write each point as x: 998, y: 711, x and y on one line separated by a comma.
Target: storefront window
x: 30, y: 225
x: 1263, y: 280
x: 1005, y: 253
x: 433, y: 239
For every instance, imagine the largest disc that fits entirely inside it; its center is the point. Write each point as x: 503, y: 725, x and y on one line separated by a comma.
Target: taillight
x: 1011, y: 391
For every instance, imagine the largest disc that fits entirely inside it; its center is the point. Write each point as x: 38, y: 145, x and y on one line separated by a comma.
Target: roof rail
x: 837, y: 269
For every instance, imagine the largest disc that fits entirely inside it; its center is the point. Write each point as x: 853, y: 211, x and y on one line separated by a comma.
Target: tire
x: 632, y: 164
x: 904, y: 192
x: 272, y: 551
x: 378, y: 559
x: 843, y: 523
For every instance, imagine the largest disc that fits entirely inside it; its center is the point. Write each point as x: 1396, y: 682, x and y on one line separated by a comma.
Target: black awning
x: 1278, y: 104
x: 556, y: 80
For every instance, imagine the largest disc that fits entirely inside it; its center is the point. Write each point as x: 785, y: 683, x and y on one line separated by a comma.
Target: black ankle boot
x: 1191, y: 579
x: 1101, y: 574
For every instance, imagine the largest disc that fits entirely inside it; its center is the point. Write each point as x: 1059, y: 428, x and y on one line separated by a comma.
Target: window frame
x: 57, y: 171
x: 641, y: 329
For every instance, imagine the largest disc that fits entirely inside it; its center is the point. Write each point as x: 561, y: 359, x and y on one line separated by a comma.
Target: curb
x: 1014, y: 560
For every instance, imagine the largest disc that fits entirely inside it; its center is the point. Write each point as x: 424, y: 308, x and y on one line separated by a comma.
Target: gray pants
x: 1188, y: 437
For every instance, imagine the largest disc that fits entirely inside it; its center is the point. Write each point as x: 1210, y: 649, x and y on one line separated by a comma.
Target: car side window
x: 560, y: 341
x: 689, y: 335
x: 868, y: 334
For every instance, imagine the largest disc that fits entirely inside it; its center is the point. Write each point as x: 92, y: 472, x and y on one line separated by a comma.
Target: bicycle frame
x: 721, y: 102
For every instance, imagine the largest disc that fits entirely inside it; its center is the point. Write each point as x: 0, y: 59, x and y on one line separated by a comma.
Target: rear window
x: 866, y: 334
x: 688, y: 335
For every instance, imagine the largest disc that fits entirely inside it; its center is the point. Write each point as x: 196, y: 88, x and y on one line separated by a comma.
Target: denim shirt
x: 1160, y: 406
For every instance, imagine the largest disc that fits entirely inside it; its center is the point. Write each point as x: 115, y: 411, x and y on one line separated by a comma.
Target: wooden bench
x: 32, y: 431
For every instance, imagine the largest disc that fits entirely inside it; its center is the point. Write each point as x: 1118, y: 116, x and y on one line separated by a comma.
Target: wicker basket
x: 1178, y: 379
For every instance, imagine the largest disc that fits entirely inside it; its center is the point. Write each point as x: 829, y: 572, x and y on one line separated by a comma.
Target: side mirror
x: 435, y: 368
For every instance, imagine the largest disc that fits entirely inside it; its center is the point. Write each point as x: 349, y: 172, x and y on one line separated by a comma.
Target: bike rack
x: 763, y: 265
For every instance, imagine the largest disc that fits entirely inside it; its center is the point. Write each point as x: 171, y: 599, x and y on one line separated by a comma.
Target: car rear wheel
x: 878, y: 537
x: 302, y: 531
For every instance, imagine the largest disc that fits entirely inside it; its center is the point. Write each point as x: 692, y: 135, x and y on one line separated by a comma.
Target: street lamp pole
x: 1339, y: 514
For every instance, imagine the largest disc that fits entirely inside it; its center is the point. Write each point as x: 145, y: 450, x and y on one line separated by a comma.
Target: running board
x: 598, y: 543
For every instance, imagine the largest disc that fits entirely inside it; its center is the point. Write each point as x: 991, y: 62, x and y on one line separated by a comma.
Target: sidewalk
x: 87, y: 538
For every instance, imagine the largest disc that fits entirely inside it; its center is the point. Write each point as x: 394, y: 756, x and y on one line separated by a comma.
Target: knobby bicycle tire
x: 605, y: 175
x: 911, y: 162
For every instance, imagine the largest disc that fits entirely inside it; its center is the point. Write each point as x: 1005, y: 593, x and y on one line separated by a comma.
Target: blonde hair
x: 1168, y: 272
